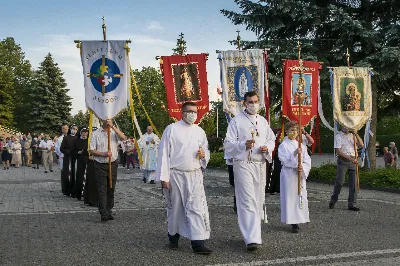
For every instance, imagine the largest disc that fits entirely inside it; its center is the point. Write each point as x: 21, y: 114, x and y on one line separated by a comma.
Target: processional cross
x: 300, y: 98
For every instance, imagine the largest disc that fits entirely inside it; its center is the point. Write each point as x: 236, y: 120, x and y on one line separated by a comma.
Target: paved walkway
x: 39, y: 226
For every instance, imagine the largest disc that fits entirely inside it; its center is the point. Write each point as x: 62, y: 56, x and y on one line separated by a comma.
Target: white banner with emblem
x: 241, y: 71
x: 106, y: 70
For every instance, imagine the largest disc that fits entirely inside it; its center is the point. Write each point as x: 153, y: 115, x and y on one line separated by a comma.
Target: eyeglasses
x: 190, y: 112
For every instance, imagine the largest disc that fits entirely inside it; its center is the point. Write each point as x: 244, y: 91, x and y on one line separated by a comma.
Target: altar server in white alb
x: 182, y: 155
x: 294, y: 209
x: 250, y: 142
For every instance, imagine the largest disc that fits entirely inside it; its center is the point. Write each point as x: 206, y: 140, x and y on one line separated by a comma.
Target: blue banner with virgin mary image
x: 241, y: 71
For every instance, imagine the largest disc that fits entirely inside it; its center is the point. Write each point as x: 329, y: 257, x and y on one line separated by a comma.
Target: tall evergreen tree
x: 181, y: 47
x: 49, y: 104
x: 13, y: 59
x: 369, y: 28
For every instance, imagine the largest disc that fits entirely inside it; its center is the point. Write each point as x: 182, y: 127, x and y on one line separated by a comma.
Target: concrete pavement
x: 40, y: 226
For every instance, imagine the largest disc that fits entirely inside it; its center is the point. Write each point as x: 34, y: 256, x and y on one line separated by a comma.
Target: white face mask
x: 190, y: 118
x: 253, y: 108
x: 73, y: 132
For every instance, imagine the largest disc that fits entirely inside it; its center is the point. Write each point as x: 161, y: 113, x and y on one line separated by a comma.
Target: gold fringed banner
x: 141, y: 104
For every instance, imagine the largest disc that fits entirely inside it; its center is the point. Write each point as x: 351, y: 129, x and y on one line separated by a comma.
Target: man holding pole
x: 345, y: 145
x: 104, y: 149
x: 250, y: 142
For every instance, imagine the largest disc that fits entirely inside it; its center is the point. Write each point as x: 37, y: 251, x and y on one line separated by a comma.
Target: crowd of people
x: 70, y: 151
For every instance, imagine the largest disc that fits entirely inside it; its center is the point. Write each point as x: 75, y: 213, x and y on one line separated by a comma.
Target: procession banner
x: 309, y: 82
x: 185, y: 80
x: 107, y: 77
x: 241, y: 71
x: 352, y: 96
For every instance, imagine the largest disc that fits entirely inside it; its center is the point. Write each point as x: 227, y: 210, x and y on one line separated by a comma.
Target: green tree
x: 49, y: 104
x: 181, y: 47
x: 81, y: 119
x: 13, y: 58
x: 6, y: 96
x: 370, y: 29
x: 152, y: 93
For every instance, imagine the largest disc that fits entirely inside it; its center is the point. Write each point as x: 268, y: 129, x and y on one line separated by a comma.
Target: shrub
x: 380, y: 178
x: 217, y: 160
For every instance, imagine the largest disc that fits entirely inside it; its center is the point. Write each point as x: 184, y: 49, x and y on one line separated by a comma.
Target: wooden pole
x: 104, y: 27
x: 356, y: 157
x: 109, y: 158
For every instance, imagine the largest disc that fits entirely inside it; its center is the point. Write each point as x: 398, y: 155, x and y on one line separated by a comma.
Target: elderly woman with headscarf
x: 36, y: 153
x: 395, y: 153
x: 16, y: 157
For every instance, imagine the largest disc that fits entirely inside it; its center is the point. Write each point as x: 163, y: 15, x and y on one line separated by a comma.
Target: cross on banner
x: 102, y: 78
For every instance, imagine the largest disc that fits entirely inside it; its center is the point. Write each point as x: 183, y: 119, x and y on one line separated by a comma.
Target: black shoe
x: 203, y: 250
x: 252, y: 247
x: 51, y: 171
x: 79, y: 198
x: 235, y: 209
x: 353, y: 209
x: 331, y: 205
x: 295, y: 228
x: 104, y: 218
x: 110, y: 217
x: 45, y: 172
x: 152, y: 182
x: 73, y: 196
x: 173, y: 245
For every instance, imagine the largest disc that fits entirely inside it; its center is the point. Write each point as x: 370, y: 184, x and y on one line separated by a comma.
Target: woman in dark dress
x: 36, y: 153
x: 90, y: 192
x: 5, y: 154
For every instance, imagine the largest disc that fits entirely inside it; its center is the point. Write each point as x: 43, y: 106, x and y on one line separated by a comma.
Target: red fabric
x: 266, y: 91
x: 290, y: 109
x: 173, y: 83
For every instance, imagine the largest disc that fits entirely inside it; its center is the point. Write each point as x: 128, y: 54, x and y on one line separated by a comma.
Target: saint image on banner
x: 352, y: 98
x: 186, y: 82
x: 242, y: 78
x: 303, y: 83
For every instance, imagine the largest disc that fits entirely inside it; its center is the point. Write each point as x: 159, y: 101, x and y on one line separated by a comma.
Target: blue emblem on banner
x: 105, y: 73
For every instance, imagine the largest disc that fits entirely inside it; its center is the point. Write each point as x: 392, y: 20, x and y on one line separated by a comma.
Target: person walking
x: 99, y: 150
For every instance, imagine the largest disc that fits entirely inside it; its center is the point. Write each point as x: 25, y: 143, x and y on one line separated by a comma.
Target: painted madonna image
x: 186, y: 82
x: 352, y: 98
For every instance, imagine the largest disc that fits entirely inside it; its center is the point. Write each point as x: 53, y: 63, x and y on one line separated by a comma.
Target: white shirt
x: 178, y: 149
x: 58, y: 146
x: 99, y: 142
x: 46, y: 144
x: 345, y: 142
x: 239, y: 131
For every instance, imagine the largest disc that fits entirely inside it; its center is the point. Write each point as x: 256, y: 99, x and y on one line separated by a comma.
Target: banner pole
x: 104, y: 27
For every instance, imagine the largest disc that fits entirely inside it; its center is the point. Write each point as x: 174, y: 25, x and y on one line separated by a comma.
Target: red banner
x: 309, y: 81
x: 185, y: 79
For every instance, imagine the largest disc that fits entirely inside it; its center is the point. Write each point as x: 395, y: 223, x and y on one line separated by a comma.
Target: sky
x: 153, y: 26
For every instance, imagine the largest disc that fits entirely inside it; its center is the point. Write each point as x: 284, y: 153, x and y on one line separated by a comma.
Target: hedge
x: 217, y: 160
x: 384, y: 178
